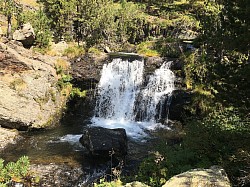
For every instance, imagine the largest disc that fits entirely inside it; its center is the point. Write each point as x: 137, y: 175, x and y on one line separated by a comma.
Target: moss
x: 18, y: 84
x: 147, y: 49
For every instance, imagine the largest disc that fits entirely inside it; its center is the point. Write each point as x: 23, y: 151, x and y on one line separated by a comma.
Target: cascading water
x: 126, y: 100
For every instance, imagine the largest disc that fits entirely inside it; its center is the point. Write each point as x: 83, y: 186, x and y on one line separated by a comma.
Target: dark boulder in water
x: 103, y: 142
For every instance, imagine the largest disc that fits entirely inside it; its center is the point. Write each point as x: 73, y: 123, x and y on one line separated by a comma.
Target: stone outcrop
x: 25, y: 35
x: 86, y: 70
x: 29, y: 97
x: 105, y: 142
x: 135, y: 184
x: 215, y: 176
x: 7, y: 137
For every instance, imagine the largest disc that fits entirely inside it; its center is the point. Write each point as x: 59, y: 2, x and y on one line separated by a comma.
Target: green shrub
x: 76, y: 92
x: 64, y: 81
x: 14, y: 171
x: 94, y: 51
x: 74, y: 51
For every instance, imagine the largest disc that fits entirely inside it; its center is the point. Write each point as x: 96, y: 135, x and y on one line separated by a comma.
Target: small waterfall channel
x: 129, y: 99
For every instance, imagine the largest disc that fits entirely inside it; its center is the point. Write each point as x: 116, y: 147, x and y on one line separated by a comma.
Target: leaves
x: 14, y: 171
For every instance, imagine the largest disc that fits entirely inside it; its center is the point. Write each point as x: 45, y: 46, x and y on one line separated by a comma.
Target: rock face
x: 7, y: 136
x: 215, y: 176
x: 26, y: 35
x: 180, y: 98
x: 86, y: 70
x: 29, y: 97
x: 103, y: 142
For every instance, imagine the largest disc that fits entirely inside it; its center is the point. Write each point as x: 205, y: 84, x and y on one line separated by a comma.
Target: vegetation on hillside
x: 217, y: 69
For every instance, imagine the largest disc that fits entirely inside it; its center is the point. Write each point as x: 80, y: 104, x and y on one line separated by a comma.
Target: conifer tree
x: 10, y: 8
x: 61, y: 13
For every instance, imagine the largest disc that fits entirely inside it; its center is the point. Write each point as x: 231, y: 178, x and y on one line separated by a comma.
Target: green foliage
x: 14, y: 171
x: 64, y: 81
x: 76, y: 92
x: 225, y: 133
x: 103, y: 183
x: 221, y: 138
x: 61, y: 14
x: 74, y: 51
x: 94, y: 50
x: 40, y: 23
x: 147, y: 49
x: 11, y: 9
x: 236, y: 24
x: 169, y: 47
x: 153, y: 170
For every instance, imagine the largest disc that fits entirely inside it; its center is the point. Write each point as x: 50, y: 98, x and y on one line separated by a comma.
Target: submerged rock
x: 105, y: 142
x: 215, y: 176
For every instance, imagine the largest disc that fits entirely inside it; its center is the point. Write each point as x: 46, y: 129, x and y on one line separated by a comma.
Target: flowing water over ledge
x: 129, y: 99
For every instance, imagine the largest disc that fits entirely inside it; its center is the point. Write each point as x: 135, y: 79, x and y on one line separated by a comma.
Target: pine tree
x: 61, y: 14
x: 10, y: 8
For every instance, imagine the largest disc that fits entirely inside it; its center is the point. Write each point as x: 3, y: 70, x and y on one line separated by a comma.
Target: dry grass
x: 18, y: 84
x: 32, y: 3
x: 61, y: 65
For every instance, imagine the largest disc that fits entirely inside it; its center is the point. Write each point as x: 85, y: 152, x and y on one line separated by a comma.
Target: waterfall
x: 126, y: 100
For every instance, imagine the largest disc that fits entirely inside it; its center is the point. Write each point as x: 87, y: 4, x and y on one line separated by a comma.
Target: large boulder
x: 26, y: 35
x: 215, y: 176
x: 29, y: 96
x: 105, y: 142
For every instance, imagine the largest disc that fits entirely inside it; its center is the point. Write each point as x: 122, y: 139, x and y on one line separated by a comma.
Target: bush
x: 14, y: 171
x: 74, y: 51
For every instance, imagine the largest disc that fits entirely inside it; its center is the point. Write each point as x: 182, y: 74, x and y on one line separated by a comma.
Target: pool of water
x: 60, y: 144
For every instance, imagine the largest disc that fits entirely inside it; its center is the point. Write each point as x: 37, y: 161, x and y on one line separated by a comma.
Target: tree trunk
x: 9, y: 34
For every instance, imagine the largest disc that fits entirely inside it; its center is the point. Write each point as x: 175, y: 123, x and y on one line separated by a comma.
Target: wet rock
x: 104, y: 142
x: 215, y: 176
x: 86, y: 70
x: 56, y: 175
x: 26, y: 35
x: 180, y: 98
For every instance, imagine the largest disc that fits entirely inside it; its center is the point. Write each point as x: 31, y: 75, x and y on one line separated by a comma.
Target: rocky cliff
x: 29, y: 96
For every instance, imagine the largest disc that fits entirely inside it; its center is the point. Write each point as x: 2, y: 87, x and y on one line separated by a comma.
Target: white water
x: 124, y: 101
